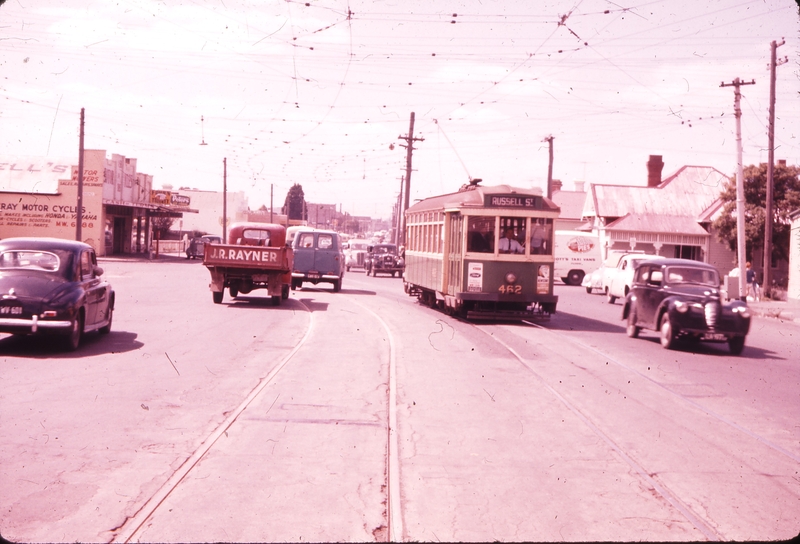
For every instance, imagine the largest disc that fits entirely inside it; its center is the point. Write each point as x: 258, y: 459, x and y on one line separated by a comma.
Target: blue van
x: 318, y: 258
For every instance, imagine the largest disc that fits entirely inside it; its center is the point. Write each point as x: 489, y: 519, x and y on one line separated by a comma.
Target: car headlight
x: 681, y: 306
x: 743, y: 311
x: 511, y: 277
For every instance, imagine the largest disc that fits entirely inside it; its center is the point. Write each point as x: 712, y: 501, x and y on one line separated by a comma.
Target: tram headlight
x: 511, y: 277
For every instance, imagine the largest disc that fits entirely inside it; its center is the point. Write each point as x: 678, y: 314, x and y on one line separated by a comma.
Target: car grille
x: 711, y: 310
x: 360, y: 258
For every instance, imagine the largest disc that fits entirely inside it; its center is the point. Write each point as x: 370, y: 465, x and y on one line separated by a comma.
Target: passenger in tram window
x: 508, y: 244
x: 479, y: 237
x: 538, y: 239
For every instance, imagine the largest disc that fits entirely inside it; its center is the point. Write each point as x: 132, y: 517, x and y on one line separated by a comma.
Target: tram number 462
x: 510, y: 289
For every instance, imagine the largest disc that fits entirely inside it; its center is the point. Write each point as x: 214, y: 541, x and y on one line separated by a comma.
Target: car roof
x: 685, y: 262
x: 29, y: 242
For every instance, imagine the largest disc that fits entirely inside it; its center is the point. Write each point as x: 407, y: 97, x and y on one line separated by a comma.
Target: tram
x: 484, y: 252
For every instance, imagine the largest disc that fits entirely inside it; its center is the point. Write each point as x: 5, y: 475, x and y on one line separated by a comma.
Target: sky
x: 321, y: 92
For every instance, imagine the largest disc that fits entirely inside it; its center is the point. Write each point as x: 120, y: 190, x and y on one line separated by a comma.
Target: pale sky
x: 317, y: 92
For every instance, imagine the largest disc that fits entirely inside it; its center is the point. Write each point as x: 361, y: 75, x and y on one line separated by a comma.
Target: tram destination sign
x: 530, y: 202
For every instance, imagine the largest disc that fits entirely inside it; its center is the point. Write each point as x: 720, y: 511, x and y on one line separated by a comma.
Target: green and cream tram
x: 483, y: 252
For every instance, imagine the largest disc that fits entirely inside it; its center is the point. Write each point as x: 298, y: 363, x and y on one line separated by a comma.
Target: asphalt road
x: 363, y: 415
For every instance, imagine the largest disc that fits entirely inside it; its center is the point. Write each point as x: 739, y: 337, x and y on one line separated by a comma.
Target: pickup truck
x: 255, y: 257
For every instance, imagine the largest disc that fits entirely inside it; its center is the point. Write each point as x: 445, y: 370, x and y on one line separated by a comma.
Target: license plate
x: 715, y: 337
x: 10, y: 310
x: 313, y: 275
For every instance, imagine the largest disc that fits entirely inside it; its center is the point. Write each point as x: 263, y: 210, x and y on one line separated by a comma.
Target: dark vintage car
x: 196, y: 247
x: 384, y: 259
x: 681, y: 299
x: 53, y: 287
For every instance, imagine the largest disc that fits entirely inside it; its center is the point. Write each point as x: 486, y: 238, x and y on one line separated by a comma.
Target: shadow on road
x: 52, y: 347
x: 719, y: 349
x: 563, y: 321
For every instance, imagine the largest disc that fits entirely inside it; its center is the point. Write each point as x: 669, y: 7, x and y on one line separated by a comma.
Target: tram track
x: 690, y: 507
x: 711, y: 413
x: 697, y: 522
x: 134, y: 527
x: 129, y: 529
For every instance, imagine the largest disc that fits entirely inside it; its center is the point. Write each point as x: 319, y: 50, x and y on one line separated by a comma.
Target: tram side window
x: 480, y: 234
x: 541, y: 240
x: 512, y: 235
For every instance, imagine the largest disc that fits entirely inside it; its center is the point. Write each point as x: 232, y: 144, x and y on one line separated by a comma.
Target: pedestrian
x: 752, y: 286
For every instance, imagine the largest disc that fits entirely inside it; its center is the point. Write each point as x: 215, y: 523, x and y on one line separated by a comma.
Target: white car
x: 355, y: 253
x: 620, y: 282
x: 593, y: 280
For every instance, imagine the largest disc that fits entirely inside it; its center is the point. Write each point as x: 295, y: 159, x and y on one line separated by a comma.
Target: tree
x: 161, y: 226
x: 295, y: 205
x: 786, y: 199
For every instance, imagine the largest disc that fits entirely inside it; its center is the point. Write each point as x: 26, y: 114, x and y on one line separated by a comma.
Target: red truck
x: 255, y: 257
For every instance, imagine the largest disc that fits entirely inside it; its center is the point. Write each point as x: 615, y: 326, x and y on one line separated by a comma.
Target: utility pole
x: 549, y: 140
x: 225, y: 200
x: 398, y: 223
x: 740, y: 247
x: 410, y: 148
x: 767, y: 280
x: 79, y: 215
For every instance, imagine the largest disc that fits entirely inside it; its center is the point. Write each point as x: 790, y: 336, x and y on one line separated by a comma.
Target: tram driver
x: 508, y: 244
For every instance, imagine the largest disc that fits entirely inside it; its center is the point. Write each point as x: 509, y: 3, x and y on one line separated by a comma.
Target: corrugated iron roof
x: 674, y: 224
x: 689, y: 192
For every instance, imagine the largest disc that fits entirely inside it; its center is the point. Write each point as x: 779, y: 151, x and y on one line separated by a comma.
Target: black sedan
x: 384, y: 259
x: 681, y: 299
x: 53, y: 287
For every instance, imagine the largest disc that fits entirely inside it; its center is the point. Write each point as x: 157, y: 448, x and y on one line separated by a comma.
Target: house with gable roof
x: 670, y: 217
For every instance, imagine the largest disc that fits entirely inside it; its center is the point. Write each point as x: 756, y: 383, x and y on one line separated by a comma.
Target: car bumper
x: 34, y: 324
x: 314, y: 277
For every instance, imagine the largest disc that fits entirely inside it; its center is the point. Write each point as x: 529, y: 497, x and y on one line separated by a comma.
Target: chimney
x: 579, y: 186
x: 654, y: 167
x: 557, y: 185
x: 782, y: 162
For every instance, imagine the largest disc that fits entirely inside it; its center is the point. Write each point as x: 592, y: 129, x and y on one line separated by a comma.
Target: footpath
x: 779, y: 309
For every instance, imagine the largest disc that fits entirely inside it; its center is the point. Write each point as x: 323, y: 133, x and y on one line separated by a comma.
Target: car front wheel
x: 667, y: 332
x: 217, y: 296
x: 736, y: 344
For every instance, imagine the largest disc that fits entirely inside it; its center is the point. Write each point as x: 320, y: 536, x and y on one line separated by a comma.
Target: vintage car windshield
x: 679, y: 274
x: 385, y: 249
x: 358, y: 246
x: 29, y: 260
x: 257, y: 234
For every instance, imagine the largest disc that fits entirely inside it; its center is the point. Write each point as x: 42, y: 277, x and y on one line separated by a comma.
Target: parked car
x: 593, y: 280
x: 384, y: 259
x: 620, y: 282
x: 681, y: 299
x: 318, y: 258
x: 611, y: 265
x: 196, y: 246
x: 53, y: 287
x: 355, y: 254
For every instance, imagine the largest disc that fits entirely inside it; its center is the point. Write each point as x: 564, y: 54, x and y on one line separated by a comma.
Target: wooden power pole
x: 740, y: 235
x: 409, y: 150
x: 767, y: 280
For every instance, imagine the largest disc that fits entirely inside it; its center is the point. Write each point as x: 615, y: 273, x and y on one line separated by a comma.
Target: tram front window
x: 480, y: 234
x: 541, y: 236
x: 512, y: 235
